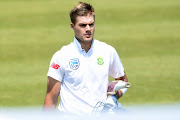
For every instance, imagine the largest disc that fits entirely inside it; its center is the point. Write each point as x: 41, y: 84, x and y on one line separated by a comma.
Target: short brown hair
x: 81, y: 9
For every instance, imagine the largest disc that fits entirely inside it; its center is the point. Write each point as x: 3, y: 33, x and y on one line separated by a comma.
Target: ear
x: 72, y: 25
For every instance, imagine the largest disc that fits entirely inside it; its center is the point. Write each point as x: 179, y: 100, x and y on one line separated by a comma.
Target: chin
x: 88, y: 40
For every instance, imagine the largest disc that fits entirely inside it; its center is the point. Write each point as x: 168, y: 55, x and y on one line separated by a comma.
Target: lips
x: 87, y: 34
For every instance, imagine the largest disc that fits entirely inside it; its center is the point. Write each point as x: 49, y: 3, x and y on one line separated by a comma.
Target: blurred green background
x: 145, y: 33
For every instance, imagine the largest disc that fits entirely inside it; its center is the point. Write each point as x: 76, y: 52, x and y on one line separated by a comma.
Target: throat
x: 86, y: 47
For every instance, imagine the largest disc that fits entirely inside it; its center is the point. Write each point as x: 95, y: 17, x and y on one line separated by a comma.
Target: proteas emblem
x: 100, y: 61
x: 74, y: 63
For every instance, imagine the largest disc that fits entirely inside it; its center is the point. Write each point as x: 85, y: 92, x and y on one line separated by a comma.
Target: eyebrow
x: 84, y: 24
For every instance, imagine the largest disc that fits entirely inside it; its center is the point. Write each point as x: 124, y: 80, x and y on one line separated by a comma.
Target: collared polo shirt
x: 84, y: 76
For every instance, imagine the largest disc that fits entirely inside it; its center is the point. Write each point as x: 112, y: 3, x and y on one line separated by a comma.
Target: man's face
x: 84, y: 28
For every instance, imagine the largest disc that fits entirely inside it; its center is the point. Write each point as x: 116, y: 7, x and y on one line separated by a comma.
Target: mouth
x: 87, y: 35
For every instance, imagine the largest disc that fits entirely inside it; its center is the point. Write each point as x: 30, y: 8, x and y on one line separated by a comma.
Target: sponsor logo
x: 54, y: 65
x: 100, y: 61
x: 74, y: 63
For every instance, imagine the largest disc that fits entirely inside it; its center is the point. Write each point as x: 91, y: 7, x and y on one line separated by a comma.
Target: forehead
x: 85, y: 19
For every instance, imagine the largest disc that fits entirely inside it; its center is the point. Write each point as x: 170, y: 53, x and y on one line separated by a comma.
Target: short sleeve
x: 55, y: 68
x: 116, y: 68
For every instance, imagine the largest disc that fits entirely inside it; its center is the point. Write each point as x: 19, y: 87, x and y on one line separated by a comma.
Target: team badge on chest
x: 100, y: 60
x: 74, y: 63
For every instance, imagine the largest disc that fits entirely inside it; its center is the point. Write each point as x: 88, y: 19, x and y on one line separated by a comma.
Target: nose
x: 88, y: 27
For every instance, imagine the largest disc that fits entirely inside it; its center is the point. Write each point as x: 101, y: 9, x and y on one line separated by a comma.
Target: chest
x: 86, y: 68
x: 87, y: 62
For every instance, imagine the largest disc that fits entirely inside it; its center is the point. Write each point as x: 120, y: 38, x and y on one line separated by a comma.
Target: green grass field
x: 146, y: 34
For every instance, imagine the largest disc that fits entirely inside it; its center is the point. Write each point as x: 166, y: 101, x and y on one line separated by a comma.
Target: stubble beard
x: 85, y: 40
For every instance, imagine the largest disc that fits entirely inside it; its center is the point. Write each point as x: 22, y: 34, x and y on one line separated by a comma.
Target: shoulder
x: 104, y: 46
x: 64, y: 50
x: 67, y: 48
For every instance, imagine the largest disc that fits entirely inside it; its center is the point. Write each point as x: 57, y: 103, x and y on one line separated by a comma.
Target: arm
x: 119, y: 93
x: 53, y: 90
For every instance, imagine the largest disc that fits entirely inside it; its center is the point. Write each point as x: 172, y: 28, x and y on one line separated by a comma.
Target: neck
x: 86, y: 45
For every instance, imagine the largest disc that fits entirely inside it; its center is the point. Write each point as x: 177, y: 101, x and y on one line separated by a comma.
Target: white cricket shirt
x: 84, y: 76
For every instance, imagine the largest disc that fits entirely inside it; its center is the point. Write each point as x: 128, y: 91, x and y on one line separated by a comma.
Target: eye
x: 82, y: 25
x: 91, y: 25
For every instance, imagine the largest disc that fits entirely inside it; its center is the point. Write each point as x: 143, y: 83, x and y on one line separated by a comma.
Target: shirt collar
x: 78, y: 45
